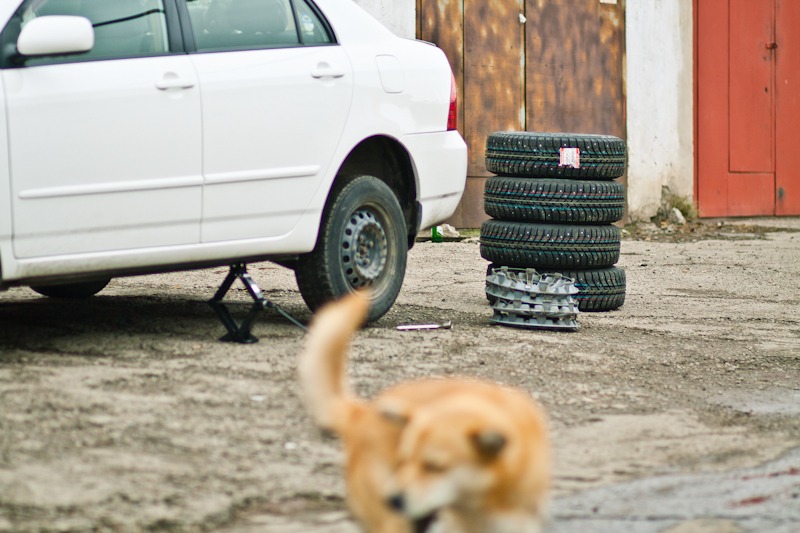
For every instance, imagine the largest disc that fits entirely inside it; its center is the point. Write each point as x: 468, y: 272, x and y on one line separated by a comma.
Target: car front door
x: 276, y: 92
x: 104, y: 146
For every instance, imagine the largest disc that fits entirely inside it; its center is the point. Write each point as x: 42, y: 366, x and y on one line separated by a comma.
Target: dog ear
x: 489, y: 443
x: 394, y: 411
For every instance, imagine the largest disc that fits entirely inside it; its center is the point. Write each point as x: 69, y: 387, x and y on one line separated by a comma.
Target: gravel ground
x: 125, y: 413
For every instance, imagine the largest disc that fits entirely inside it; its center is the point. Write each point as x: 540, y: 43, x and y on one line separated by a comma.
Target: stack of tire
x: 553, y: 201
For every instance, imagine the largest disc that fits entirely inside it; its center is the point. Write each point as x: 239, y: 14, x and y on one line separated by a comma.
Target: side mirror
x: 55, y: 35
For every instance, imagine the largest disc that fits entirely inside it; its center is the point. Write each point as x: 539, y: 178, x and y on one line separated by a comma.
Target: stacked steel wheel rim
x: 523, y: 298
x: 553, y: 202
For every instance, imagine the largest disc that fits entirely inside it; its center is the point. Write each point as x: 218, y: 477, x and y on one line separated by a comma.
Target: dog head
x: 449, y: 455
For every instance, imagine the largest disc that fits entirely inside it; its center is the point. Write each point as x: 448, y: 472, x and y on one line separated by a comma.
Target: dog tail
x: 322, y: 365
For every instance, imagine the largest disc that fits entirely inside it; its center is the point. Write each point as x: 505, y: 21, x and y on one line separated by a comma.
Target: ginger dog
x: 469, y: 455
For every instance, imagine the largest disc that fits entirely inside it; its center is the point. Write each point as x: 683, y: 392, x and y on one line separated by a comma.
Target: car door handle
x: 326, y: 71
x: 170, y: 82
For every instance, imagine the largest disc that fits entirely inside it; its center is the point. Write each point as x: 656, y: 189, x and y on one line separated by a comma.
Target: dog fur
x: 470, y: 454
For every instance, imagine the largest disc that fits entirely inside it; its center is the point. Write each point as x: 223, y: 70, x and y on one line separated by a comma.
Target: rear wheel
x: 72, y: 291
x: 362, y: 243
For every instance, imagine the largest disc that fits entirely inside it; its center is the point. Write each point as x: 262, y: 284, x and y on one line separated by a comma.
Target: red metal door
x: 747, y: 108
x: 787, y: 95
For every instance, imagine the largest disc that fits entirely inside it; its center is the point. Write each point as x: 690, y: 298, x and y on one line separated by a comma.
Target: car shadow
x: 34, y: 322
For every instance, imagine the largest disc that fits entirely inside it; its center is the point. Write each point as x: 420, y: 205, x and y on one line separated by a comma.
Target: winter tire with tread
x: 538, y: 155
x: 362, y: 242
x: 555, y: 201
x: 601, y: 289
x: 549, y: 246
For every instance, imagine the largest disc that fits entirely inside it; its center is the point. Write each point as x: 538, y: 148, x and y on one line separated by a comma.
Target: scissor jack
x: 241, y: 332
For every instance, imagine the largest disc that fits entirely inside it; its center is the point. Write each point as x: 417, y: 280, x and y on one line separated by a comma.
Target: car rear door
x: 276, y: 93
x: 104, y: 146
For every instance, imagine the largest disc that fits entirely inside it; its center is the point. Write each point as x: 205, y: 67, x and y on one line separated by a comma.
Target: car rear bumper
x: 440, y: 164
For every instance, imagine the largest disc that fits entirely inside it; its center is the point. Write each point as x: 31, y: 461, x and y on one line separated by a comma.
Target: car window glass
x: 312, y: 29
x: 219, y: 25
x: 242, y: 24
x: 122, y: 28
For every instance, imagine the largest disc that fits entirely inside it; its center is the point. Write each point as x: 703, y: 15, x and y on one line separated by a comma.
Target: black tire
x: 538, y: 155
x: 72, y: 291
x: 365, y: 217
x: 556, y: 201
x: 549, y: 246
x: 601, y: 289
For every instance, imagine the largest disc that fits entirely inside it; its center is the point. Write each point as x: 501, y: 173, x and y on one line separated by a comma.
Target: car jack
x: 241, y: 332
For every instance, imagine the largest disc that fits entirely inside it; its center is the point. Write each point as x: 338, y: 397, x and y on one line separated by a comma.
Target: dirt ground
x: 125, y: 413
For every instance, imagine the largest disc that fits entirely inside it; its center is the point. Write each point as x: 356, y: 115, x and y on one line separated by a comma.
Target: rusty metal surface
x: 494, y: 90
x: 442, y: 22
x: 575, y: 56
x: 559, y: 68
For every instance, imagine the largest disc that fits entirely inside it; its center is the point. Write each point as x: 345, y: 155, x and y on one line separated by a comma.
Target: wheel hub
x: 364, y: 249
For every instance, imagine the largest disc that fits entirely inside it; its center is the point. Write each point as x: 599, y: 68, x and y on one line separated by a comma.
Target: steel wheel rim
x: 364, y: 249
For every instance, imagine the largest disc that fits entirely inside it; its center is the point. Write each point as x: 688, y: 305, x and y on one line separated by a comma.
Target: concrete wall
x: 397, y: 15
x: 660, y: 88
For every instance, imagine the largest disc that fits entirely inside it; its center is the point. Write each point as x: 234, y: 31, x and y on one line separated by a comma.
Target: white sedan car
x: 141, y: 136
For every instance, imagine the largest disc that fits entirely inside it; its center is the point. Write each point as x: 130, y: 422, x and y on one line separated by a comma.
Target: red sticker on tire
x: 570, y: 157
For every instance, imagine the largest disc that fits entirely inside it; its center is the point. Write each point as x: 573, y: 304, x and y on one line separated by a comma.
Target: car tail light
x: 452, y: 116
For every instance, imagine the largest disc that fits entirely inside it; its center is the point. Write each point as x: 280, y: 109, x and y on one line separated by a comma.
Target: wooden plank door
x: 484, y: 41
x: 746, y: 87
x: 546, y: 65
x: 494, y: 74
x: 575, y: 55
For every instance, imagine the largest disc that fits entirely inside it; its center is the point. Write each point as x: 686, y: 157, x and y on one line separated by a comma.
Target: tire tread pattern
x: 537, y: 155
x: 551, y: 246
x: 555, y: 201
x: 600, y: 289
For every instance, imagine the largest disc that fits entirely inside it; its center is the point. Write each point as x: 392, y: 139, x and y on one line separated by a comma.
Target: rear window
x: 219, y: 25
